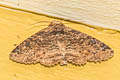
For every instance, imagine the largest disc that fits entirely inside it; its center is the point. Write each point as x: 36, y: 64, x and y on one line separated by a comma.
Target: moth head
x: 56, y: 24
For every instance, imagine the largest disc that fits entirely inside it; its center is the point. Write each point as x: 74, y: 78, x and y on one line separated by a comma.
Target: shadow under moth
x: 58, y: 44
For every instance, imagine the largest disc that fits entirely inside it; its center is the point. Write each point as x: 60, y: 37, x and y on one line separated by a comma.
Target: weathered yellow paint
x: 16, y: 26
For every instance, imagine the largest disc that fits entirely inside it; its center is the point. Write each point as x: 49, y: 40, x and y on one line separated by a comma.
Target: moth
x: 59, y: 44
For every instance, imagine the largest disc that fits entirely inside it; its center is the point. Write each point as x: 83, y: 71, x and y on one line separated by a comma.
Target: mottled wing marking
x: 58, y: 44
x: 88, y: 49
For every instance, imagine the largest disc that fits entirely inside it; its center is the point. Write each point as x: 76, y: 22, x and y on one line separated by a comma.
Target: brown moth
x: 58, y: 44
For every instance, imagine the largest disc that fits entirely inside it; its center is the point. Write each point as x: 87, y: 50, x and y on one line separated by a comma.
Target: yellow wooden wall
x: 16, y: 26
